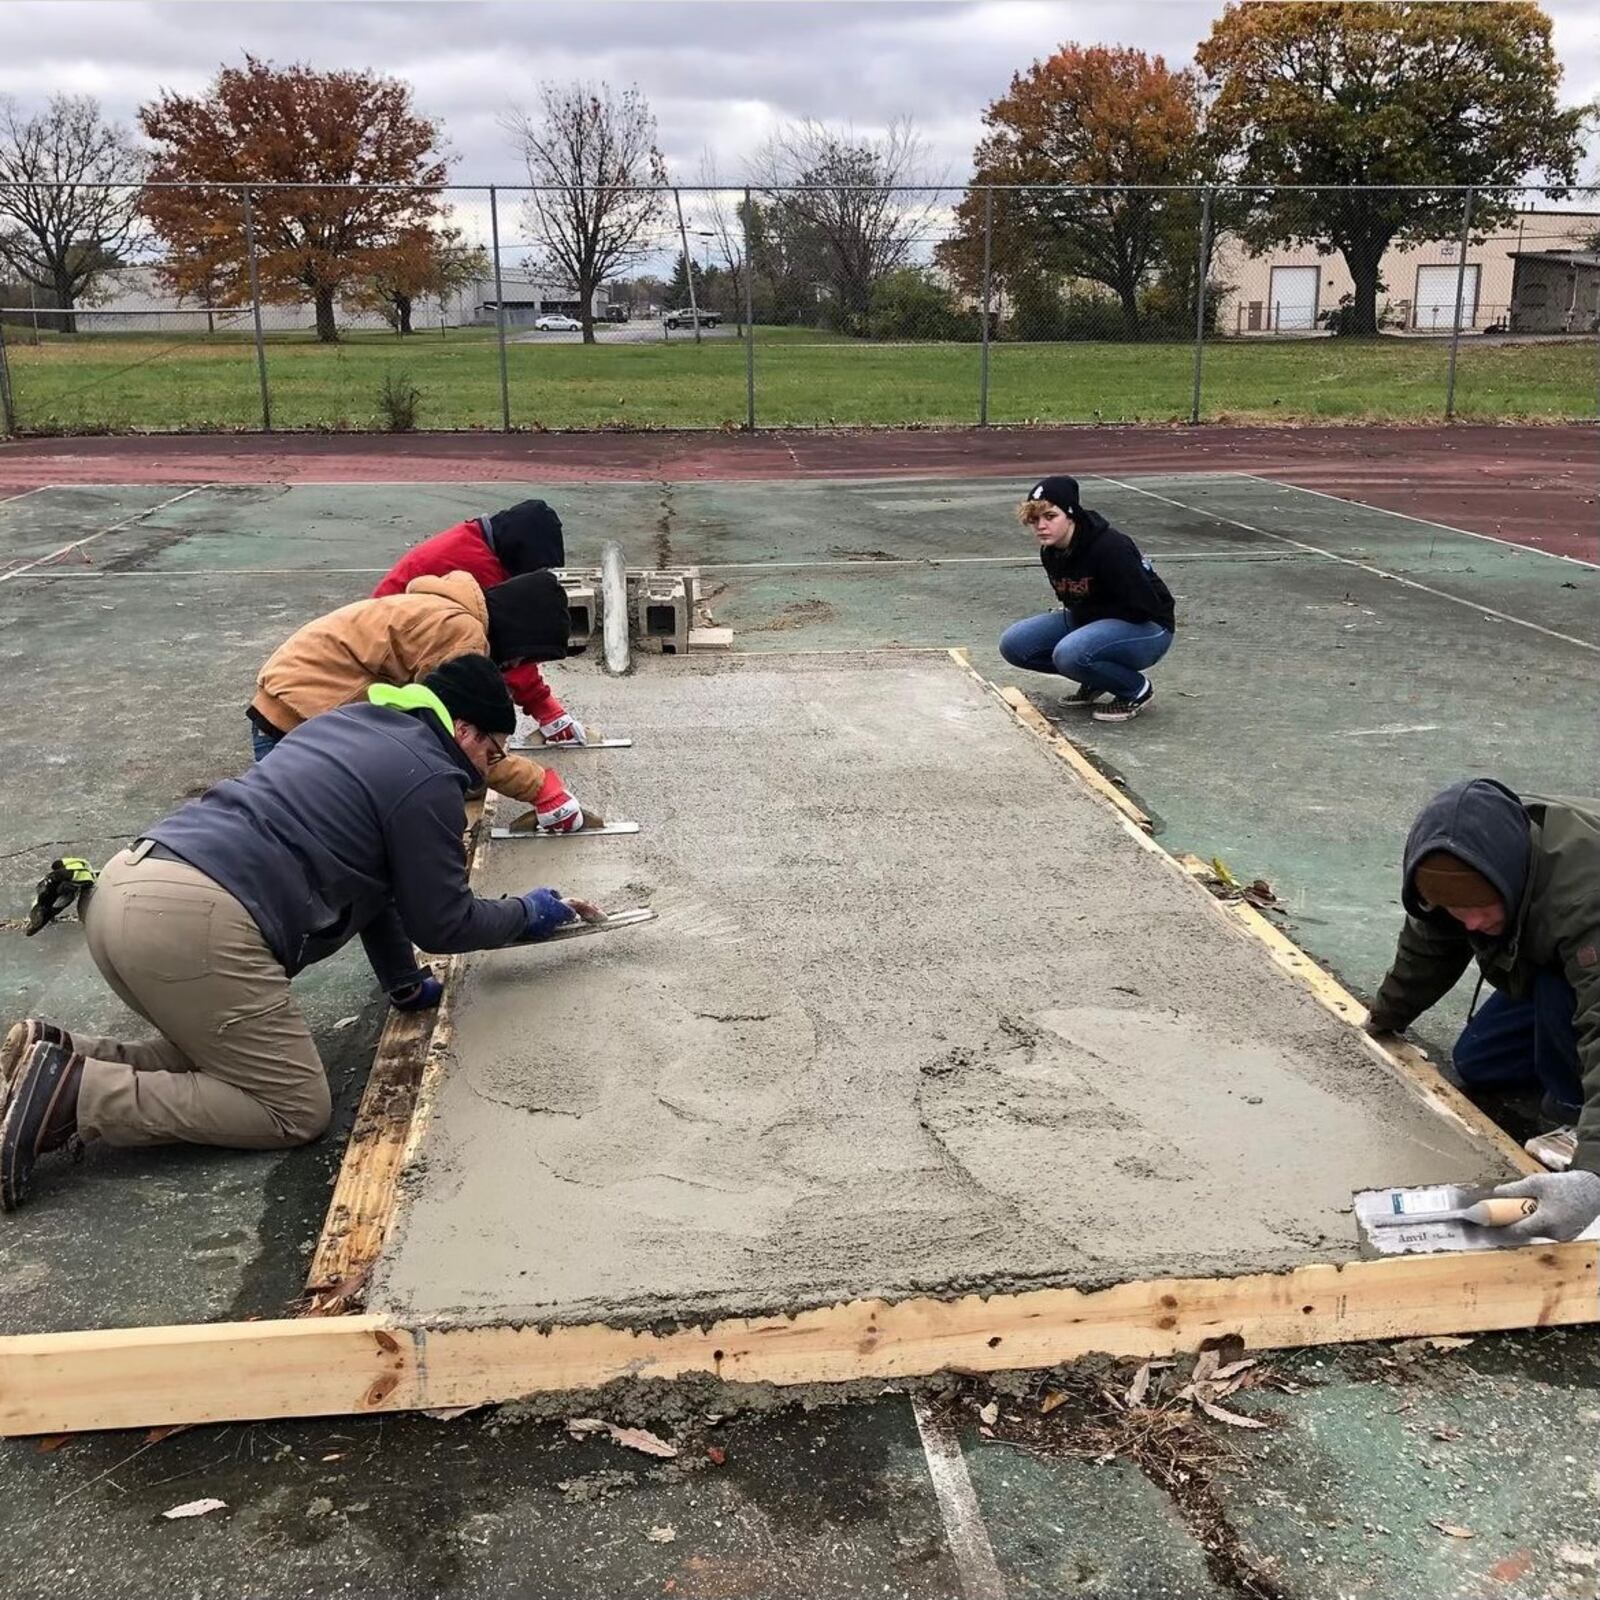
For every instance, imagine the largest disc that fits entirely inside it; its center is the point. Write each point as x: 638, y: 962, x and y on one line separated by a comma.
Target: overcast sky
x: 717, y: 75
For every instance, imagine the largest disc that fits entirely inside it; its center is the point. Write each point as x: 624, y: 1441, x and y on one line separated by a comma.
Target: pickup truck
x: 685, y: 318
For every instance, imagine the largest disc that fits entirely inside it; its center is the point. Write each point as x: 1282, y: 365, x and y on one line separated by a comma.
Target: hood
x: 460, y: 587
x: 1478, y: 821
x: 525, y: 537
x: 528, y: 619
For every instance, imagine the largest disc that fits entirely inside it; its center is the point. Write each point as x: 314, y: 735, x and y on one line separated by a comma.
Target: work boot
x: 20, y: 1038
x: 41, y: 1115
x: 1125, y: 710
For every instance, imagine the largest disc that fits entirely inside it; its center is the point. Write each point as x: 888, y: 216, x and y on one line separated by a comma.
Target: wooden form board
x: 322, y: 1366
x: 353, y: 1364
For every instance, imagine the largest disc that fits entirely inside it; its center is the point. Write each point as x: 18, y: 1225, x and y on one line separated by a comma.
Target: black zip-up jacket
x: 352, y: 826
x: 1102, y: 574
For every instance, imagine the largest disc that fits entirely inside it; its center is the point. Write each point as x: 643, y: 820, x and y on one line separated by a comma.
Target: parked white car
x: 557, y: 322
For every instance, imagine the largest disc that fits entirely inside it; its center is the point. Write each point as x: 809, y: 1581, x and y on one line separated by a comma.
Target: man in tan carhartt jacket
x: 399, y: 639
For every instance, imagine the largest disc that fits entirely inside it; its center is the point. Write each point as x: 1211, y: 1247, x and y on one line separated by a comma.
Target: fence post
x: 499, y: 311
x: 1455, y: 330
x: 749, y: 324
x: 1200, y: 302
x: 8, y: 410
x: 688, y: 263
x: 255, y: 311
x: 988, y: 264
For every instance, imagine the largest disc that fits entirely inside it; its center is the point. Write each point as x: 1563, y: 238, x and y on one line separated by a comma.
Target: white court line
x: 78, y: 544
x: 22, y: 494
x: 1424, y: 522
x: 1349, y: 561
x: 965, y: 1533
x: 1259, y: 558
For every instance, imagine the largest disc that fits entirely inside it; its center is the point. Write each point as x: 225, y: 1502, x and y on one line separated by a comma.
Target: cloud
x: 716, y: 75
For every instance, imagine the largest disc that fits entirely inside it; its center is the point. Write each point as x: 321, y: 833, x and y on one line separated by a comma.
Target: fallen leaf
x: 52, y: 1441
x: 345, y: 1022
x: 664, y: 1534
x: 1055, y: 1398
x: 1453, y: 1529
x: 1232, y: 1418
x: 166, y: 1431
x: 1446, y: 1341
x: 579, y: 1426
x: 642, y: 1440
x: 194, y: 1508
x: 1232, y: 1369
x: 448, y: 1413
x: 990, y: 1413
x: 1139, y: 1388
x: 1205, y: 1367
x: 716, y: 1455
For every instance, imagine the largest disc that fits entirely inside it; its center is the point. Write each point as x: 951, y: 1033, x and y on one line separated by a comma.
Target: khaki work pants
x: 235, y: 1063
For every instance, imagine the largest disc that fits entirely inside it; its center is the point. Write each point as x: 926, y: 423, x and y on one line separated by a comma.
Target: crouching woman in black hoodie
x: 1117, y: 617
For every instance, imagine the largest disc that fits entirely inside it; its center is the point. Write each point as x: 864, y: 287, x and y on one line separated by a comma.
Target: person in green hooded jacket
x: 1513, y: 883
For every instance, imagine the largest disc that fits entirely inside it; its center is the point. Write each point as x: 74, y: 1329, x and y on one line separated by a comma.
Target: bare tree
x: 850, y: 195
x: 724, y: 219
x: 598, y: 182
x: 61, y: 227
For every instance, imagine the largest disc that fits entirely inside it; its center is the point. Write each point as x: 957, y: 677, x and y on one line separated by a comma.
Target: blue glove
x: 546, y: 911
x: 423, y: 995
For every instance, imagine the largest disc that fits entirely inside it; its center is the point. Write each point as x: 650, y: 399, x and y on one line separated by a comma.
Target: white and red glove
x: 565, y: 729
x: 555, y: 809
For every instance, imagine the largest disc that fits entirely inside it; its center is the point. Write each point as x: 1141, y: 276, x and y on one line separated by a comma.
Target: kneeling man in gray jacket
x: 352, y: 827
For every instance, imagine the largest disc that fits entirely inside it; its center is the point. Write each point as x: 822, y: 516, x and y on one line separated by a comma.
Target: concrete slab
x: 918, y: 1015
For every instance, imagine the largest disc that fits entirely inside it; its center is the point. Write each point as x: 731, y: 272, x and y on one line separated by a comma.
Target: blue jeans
x: 1528, y: 1042
x: 1109, y: 655
x: 262, y: 743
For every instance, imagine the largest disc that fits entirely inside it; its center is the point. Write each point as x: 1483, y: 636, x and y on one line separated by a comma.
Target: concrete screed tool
x: 567, y: 749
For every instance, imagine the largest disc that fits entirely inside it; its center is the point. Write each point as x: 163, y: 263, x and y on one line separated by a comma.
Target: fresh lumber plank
x: 325, y: 1366
x: 399, y: 1085
x: 1399, y: 1056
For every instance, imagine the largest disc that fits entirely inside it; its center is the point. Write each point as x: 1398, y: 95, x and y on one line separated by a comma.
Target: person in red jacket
x: 525, y: 537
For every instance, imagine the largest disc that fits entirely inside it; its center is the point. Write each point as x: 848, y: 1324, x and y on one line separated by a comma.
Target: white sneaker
x: 1555, y: 1149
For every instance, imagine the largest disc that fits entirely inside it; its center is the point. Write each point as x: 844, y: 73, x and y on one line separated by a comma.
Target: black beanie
x: 526, y: 537
x: 528, y: 619
x: 1060, y: 490
x: 473, y: 690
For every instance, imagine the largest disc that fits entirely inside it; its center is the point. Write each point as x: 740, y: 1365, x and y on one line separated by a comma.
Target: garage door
x: 1294, y: 298
x: 1436, y: 298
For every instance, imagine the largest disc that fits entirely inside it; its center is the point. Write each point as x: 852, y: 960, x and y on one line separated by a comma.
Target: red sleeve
x: 532, y: 693
x: 458, y: 549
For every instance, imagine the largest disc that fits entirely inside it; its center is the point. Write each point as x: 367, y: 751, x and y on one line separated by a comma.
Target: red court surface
x: 1536, y: 486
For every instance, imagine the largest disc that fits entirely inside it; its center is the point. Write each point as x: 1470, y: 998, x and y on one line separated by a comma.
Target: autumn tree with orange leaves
x: 1100, y: 119
x: 269, y: 129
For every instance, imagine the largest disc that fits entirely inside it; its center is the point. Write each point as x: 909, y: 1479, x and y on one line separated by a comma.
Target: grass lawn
x: 147, y: 382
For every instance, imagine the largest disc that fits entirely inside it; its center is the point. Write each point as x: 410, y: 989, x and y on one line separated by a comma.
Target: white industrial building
x: 135, y: 300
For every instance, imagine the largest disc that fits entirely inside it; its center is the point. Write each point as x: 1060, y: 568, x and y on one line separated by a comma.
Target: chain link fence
x: 327, y: 307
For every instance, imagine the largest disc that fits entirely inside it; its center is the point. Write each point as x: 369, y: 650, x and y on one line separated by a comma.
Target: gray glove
x: 1568, y: 1203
